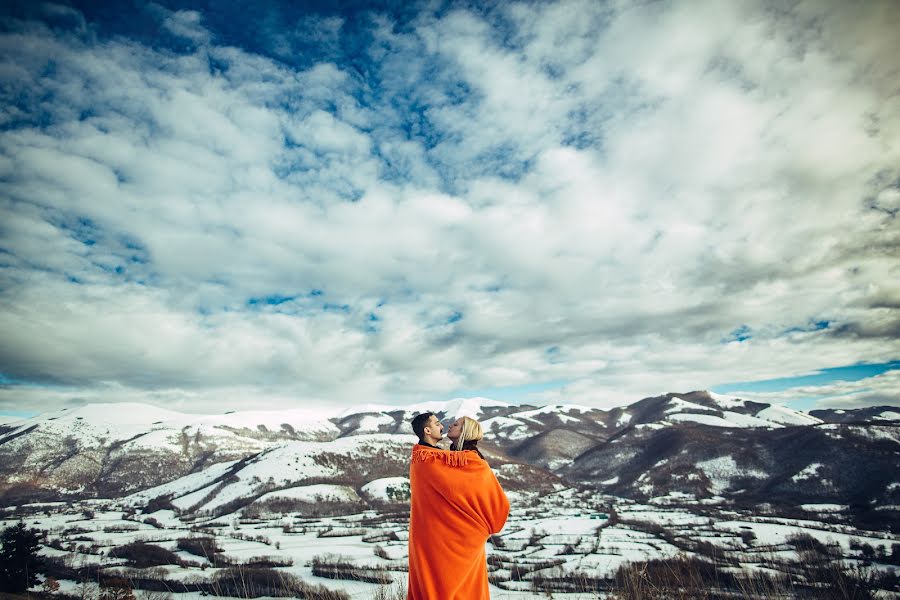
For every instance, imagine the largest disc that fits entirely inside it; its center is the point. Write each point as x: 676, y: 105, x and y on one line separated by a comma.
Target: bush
x: 337, y: 532
x: 116, y: 589
x: 204, y: 547
x: 142, y: 555
x: 262, y: 561
x: 684, y: 578
x: 331, y: 566
x: 241, y: 582
x: 680, y: 578
x: 805, y: 544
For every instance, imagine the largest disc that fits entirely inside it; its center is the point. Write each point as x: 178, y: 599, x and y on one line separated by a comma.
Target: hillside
x: 695, y: 447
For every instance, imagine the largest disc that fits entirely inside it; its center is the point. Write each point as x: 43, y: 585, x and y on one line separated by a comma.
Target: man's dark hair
x: 419, y: 422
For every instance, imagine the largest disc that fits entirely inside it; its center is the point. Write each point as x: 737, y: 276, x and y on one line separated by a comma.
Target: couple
x: 456, y: 504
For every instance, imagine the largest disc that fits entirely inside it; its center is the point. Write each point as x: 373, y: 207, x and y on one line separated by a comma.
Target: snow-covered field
x: 565, y: 532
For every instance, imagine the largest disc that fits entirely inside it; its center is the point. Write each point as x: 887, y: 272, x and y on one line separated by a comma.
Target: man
x: 428, y: 429
x: 456, y: 504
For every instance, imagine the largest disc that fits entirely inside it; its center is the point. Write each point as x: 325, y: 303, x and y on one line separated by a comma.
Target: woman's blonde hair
x: 471, y: 431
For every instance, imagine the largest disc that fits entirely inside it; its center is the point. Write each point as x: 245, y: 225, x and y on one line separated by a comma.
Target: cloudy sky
x: 222, y: 205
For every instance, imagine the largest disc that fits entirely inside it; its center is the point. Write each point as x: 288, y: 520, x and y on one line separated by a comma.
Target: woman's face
x: 455, y: 429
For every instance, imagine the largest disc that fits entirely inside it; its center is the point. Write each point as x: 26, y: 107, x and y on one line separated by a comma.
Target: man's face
x: 434, y: 430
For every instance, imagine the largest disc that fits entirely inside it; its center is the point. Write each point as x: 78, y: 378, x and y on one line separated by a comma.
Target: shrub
x: 567, y: 581
x: 120, y: 528
x: 263, y: 561
x: 331, y: 566
x: 681, y: 578
x: 340, y: 533
x: 804, y: 543
x: 204, y: 547
x: 242, y: 582
x: 395, y: 591
x: 159, y: 503
x: 116, y: 589
x: 142, y: 555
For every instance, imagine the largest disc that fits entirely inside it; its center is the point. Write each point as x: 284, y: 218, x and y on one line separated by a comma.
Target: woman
x: 465, y: 433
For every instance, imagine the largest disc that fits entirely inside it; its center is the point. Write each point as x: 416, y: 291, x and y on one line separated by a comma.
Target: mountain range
x: 695, y: 447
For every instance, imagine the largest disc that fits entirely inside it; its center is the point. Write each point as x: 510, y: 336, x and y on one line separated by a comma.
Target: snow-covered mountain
x: 696, y: 445
x: 870, y: 414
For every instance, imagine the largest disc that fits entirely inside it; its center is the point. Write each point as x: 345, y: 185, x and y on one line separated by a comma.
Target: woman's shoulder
x: 474, y: 452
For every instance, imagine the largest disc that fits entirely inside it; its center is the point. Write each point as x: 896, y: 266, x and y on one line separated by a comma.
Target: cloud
x: 385, y: 206
x: 880, y: 390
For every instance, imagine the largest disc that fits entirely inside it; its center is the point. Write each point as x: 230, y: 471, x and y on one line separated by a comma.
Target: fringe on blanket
x: 453, y: 459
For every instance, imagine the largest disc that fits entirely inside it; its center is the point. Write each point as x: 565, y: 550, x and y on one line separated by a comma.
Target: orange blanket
x: 456, y: 504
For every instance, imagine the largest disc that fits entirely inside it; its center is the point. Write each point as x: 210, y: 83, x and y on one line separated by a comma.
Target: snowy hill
x: 872, y: 414
x: 697, y: 445
x: 293, y: 470
x: 111, y: 449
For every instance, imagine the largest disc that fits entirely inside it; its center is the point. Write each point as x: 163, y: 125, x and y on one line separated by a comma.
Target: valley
x: 186, y: 505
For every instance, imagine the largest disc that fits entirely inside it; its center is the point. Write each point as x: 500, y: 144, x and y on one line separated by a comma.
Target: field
x: 568, y: 544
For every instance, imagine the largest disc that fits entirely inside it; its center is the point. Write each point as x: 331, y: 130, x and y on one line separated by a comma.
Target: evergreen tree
x: 19, y: 560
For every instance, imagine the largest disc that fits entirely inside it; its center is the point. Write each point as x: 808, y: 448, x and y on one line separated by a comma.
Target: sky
x: 212, y: 206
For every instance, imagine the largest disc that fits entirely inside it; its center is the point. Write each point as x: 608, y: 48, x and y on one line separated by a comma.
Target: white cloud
x: 878, y: 390
x: 628, y: 184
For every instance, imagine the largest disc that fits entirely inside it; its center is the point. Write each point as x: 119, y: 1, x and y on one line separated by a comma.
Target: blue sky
x: 207, y: 205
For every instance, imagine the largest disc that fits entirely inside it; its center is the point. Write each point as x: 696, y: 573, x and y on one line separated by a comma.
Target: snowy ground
x: 568, y: 532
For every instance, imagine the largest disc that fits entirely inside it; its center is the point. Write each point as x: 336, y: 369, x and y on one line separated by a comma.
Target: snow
x: 809, y: 472
x: 501, y: 422
x: 889, y: 415
x: 187, y: 501
x: 787, y: 416
x: 182, y: 485
x: 557, y: 520
x: 824, y: 508
x: 726, y: 401
x: 624, y: 419
x: 769, y: 533
x: 313, y: 493
x: 558, y: 410
x: 654, y: 514
x: 151, y: 428
x: 673, y: 497
x: 458, y: 407
x: 612, y: 481
x: 509, y: 428
x: 568, y: 525
x: 315, y: 420
x: 732, y: 419
x: 720, y: 471
x: 774, y: 416
x: 455, y: 408
x: 677, y: 405
x: 289, y: 464
x: 877, y: 432
x: 371, y: 423
x: 378, y: 488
